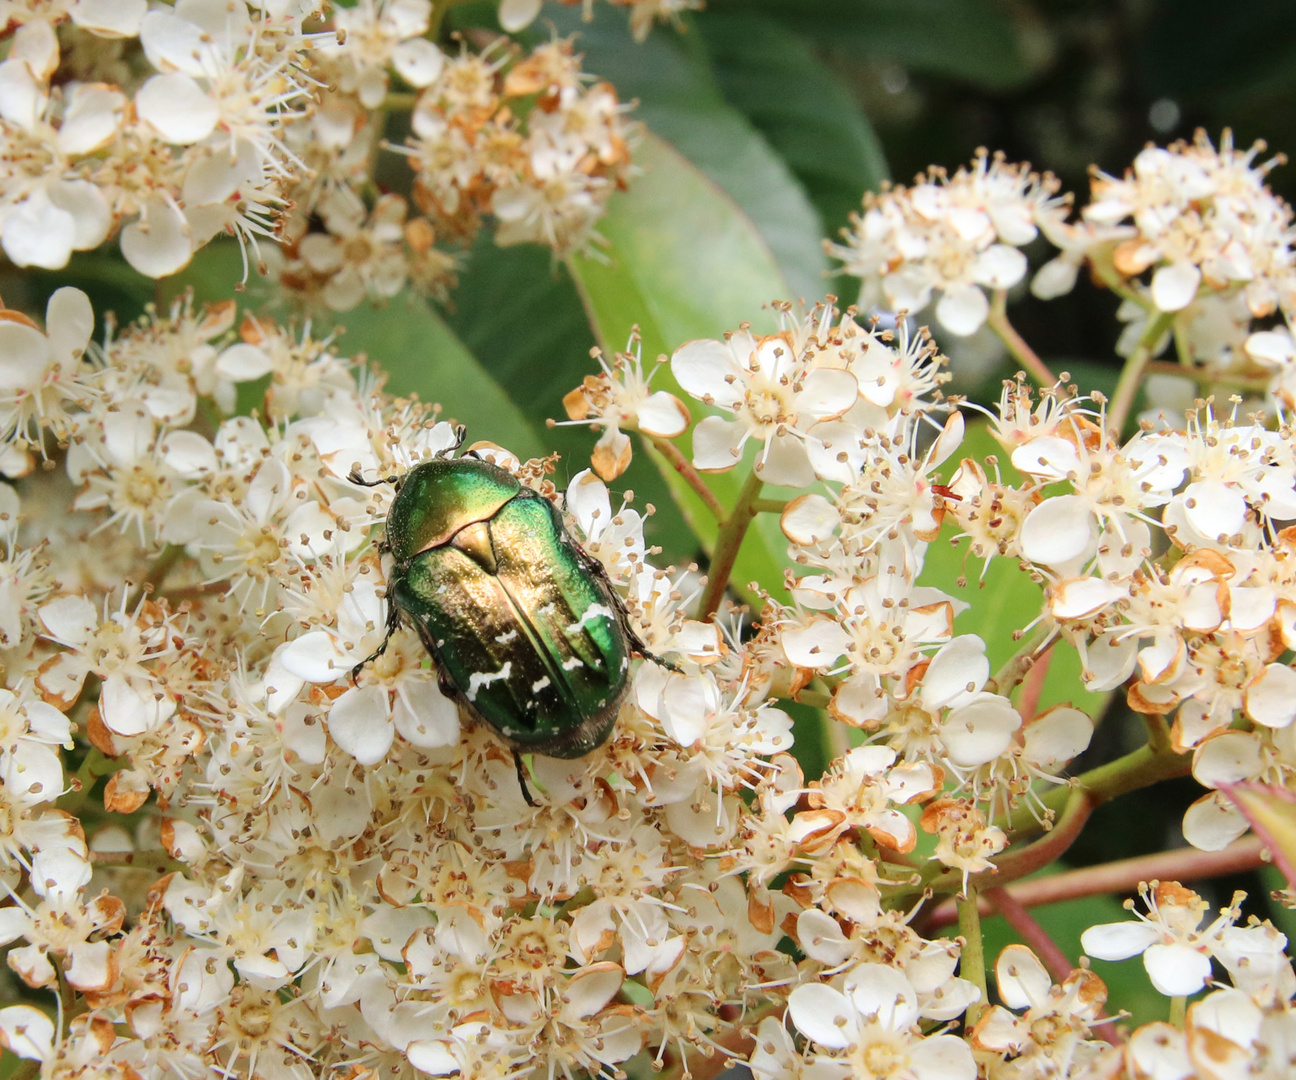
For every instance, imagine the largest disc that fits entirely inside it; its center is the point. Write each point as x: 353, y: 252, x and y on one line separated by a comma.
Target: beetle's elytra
x: 525, y: 629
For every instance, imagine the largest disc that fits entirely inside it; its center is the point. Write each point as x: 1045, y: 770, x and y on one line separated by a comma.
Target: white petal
x: 1213, y: 822
x: 962, y: 310
x: 1227, y: 758
x: 942, y: 1057
x: 784, y: 461
x: 180, y: 110
x: 515, y: 15
x: 822, y: 1014
x: 1055, y: 737
x: 882, y: 991
x: 1175, y: 286
x: 242, y: 362
x: 1082, y: 598
x: 27, y: 1032
x: 86, y: 205
x: 1270, y: 698
x: 110, y: 18
x: 174, y: 44
x: 1118, y: 941
x: 662, y: 414
x: 809, y: 519
x: 1023, y: 980
x: 700, y: 368
x: 94, y: 114
x: 980, y: 731
x: 426, y: 718
x: 158, y: 243
x: 1176, y: 970
x: 821, y: 938
x: 418, y: 61
x: 69, y: 321
x: 1273, y: 348
x: 69, y: 619
x: 1058, y: 531
x: 1055, y: 278
x: 361, y: 724
x: 827, y: 393
x: 816, y: 645
x: 960, y: 668
x: 715, y: 444
x: 999, y: 267
x: 38, y: 233
x: 1214, y: 508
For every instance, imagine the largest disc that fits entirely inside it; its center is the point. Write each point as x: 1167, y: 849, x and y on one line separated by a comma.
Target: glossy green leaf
x: 518, y: 312
x: 977, y: 40
x: 683, y: 262
x: 670, y: 77
x: 801, y: 108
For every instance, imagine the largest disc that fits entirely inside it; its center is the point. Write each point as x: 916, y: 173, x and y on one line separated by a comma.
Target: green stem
x: 157, y: 573
x: 1206, y: 377
x: 972, y: 958
x: 1017, y: 345
x: 1131, y: 377
x: 768, y: 506
x: 691, y: 476
x: 399, y: 101
x: 1178, y: 1010
x: 727, y: 545
x: 1139, y: 769
x: 1006, y: 679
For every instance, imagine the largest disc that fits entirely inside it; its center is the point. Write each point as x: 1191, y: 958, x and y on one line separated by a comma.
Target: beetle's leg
x: 521, y: 775
x: 640, y: 649
x: 393, y: 624
x: 355, y: 478
x: 461, y: 433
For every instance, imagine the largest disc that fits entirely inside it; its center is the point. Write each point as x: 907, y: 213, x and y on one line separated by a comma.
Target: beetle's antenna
x: 521, y: 771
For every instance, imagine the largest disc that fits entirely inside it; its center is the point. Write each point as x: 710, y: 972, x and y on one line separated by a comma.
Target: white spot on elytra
x: 504, y: 639
x: 572, y: 663
x: 539, y: 684
x: 478, y: 679
x: 594, y: 611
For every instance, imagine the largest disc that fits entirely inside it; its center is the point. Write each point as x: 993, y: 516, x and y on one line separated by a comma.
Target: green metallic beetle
x: 526, y: 631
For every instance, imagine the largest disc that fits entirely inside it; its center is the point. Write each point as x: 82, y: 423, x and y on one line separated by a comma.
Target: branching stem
x: 1017, y: 345
x: 728, y: 544
x: 1131, y: 377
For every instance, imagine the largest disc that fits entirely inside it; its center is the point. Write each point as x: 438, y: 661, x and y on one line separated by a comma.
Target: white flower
x: 774, y: 395
x: 873, y: 1021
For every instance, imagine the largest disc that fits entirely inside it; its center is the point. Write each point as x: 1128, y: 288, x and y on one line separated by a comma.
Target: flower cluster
x: 244, y: 122
x: 350, y: 863
x: 1197, y: 633
x: 953, y: 237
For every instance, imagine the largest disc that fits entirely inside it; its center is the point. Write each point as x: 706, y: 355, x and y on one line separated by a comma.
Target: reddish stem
x: 1122, y: 876
x: 1033, y: 686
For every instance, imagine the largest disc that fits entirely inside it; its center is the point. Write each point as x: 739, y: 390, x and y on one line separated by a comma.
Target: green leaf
x: 683, y: 262
x: 800, y: 106
x: 976, y: 40
x: 670, y: 76
x: 1005, y: 599
x: 519, y: 313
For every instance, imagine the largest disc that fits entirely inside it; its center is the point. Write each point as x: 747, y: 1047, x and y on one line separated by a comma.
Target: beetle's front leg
x: 393, y: 624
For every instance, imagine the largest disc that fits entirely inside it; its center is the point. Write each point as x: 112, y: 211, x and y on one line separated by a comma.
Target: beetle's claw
x: 521, y: 775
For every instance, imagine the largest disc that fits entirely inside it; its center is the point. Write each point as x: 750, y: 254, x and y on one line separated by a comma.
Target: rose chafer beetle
x: 526, y: 631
